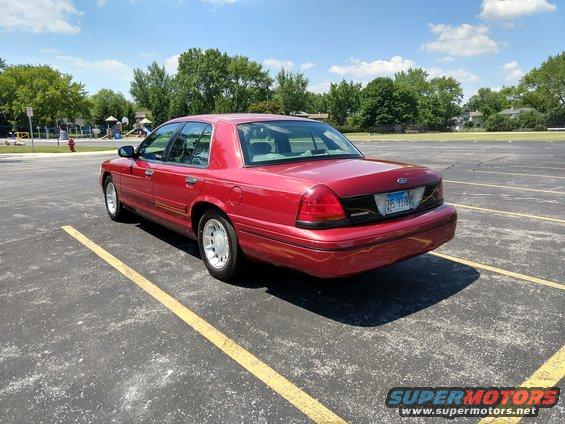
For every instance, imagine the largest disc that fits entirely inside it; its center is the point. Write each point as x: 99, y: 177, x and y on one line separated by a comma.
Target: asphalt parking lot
x: 80, y: 342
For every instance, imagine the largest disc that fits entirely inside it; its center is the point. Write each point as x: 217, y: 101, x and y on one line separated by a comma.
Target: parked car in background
x: 288, y: 191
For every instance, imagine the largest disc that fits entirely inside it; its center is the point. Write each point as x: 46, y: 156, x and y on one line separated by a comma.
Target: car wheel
x: 114, y: 207
x: 218, y: 245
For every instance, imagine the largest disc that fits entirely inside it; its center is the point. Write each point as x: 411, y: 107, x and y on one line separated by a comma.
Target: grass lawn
x: 464, y: 136
x: 53, y: 149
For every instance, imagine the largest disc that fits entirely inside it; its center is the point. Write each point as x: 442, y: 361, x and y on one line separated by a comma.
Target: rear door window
x: 192, y: 145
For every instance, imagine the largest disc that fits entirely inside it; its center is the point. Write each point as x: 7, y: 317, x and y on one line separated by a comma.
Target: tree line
x: 210, y: 81
x: 542, y: 91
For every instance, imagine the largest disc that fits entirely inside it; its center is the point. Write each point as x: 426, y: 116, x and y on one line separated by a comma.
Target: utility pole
x: 29, y: 111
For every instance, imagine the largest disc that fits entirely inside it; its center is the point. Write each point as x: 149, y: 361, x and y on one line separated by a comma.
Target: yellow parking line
x: 516, y: 173
x: 538, y: 167
x: 548, y: 375
x: 301, y: 400
x: 522, y: 215
x: 504, y: 186
x: 501, y: 271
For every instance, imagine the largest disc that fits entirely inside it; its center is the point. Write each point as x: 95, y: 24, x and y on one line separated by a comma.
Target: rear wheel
x: 114, y: 207
x: 218, y: 245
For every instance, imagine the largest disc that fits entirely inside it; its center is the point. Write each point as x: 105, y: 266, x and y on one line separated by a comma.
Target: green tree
x: 343, y: 100
x: 3, y: 115
x: 106, y: 102
x: 438, y: 99
x: 488, y: 101
x: 53, y: 95
x: 211, y: 81
x: 385, y: 103
x: 152, y: 90
x: 543, y: 89
x: 201, y: 78
x: 246, y: 82
x: 414, y: 79
x: 316, y: 102
x: 266, y: 106
x: 291, y: 91
x: 445, y: 97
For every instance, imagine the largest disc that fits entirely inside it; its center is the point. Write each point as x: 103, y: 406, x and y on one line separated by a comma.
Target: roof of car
x: 239, y: 118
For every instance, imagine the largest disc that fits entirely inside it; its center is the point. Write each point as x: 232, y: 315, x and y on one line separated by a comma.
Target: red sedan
x: 288, y: 191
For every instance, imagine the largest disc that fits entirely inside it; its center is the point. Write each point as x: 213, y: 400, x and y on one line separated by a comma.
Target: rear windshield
x: 291, y: 141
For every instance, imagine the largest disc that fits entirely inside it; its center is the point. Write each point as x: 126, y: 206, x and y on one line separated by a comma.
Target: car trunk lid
x: 356, y: 181
x: 353, y: 177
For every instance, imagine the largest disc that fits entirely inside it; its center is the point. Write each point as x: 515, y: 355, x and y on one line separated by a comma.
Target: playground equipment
x: 16, y: 140
x: 114, y: 129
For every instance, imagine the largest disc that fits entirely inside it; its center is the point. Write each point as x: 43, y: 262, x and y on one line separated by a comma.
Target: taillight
x: 439, y: 191
x: 320, y: 207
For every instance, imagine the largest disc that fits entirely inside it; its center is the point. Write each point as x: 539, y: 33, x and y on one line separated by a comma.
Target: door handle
x: 190, y: 180
x: 149, y: 172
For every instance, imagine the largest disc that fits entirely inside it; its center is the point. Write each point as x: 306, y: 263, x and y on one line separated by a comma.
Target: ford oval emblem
x: 402, y: 180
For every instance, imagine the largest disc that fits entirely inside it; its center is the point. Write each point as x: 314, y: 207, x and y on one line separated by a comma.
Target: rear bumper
x: 346, y: 251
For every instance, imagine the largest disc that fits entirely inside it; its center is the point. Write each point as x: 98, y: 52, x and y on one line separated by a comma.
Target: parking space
x: 82, y: 341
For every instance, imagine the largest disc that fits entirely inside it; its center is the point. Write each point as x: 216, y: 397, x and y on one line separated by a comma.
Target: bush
x: 497, y: 122
x: 348, y: 128
x: 556, y: 118
x: 531, y: 120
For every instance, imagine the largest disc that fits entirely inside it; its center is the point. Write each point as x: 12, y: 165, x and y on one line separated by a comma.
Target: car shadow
x: 370, y: 299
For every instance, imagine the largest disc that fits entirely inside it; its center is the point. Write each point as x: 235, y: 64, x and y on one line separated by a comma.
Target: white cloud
x: 101, y: 3
x: 105, y: 66
x: 307, y: 65
x: 278, y: 64
x: 445, y: 59
x: 95, y: 74
x: 320, y: 87
x: 459, y: 74
x: 361, y: 69
x: 508, y: 10
x: 147, y: 54
x: 172, y: 64
x: 512, y: 71
x: 39, y: 16
x: 49, y: 50
x: 464, y: 40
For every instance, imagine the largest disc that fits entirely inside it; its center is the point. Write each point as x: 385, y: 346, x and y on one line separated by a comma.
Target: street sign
x: 29, y: 111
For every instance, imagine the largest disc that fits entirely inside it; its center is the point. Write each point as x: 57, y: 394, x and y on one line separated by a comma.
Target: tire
x: 114, y: 207
x: 219, y: 248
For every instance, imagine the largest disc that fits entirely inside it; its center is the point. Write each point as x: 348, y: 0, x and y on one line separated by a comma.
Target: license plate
x: 397, y: 202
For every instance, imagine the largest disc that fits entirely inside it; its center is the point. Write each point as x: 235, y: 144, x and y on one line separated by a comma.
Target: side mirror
x: 126, y: 152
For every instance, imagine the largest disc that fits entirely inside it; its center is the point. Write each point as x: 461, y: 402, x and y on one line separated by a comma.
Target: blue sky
x: 99, y: 42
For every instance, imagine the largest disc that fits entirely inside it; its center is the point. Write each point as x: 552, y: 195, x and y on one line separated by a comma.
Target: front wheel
x: 114, y: 207
x: 218, y: 245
